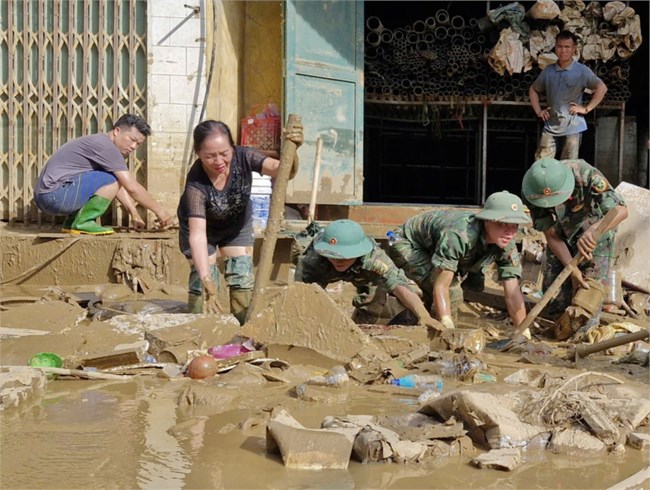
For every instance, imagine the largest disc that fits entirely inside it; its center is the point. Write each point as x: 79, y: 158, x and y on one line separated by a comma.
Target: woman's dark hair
x: 133, y: 121
x: 207, y: 128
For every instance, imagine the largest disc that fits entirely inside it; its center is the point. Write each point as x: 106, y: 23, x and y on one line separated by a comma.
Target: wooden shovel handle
x: 278, y: 197
x: 554, y: 288
x: 314, y: 184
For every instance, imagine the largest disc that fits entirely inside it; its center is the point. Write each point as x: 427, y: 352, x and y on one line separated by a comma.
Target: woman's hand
x: 294, y: 133
x: 210, y: 301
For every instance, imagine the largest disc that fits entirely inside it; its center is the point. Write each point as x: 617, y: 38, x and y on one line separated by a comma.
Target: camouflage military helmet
x: 342, y: 239
x: 548, y: 183
x: 505, y: 208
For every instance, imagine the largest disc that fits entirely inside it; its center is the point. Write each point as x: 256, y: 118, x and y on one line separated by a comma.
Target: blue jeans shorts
x: 73, y: 193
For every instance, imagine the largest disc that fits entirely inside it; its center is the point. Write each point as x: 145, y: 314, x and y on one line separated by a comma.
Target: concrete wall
x: 246, y: 41
x: 607, y: 133
x: 176, y: 47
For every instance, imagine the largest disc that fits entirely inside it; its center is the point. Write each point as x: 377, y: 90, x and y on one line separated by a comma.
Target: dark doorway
x: 429, y: 150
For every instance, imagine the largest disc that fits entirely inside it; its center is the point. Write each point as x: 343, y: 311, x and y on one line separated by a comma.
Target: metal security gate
x: 69, y: 68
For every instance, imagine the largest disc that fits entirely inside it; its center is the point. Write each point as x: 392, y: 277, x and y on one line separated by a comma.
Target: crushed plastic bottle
x: 460, y: 366
x: 428, y: 381
x: 336, y: 376
x: 427, y: 396
x: 484, y: 378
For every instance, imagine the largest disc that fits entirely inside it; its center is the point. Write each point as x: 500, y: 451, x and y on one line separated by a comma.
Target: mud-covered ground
x: 149, y: 431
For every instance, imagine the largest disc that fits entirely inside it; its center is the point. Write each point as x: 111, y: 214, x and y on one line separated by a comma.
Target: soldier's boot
x: 195, y: 289
x: 240, y: 299
x: 239, y: 277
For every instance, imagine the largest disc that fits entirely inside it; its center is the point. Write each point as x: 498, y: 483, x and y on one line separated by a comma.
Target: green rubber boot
x: 66, y: 227
x: 84, y: 221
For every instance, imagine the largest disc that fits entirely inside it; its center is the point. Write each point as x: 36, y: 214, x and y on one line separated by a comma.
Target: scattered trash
x: 459, y: 340
x: 460, y: 366
x: 427, y: 396
x: 308, y: 449
x: 484, y: 378
x: 229, y: 350
x: 427, y: 381
x: 641, y: 357
x: 337, y: 376
x: 202, y: 367
x: 45, y: 359
x: 499, y: 459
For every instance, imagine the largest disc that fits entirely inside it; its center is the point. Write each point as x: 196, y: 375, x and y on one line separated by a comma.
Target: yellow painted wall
x: 248, y: 68
x: 263, y: 65
x: 226, y: 88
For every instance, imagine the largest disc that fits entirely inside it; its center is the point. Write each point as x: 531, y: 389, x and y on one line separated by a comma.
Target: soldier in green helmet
x: 441, y: 249
x: 567, y: 201
x: 343, y: 252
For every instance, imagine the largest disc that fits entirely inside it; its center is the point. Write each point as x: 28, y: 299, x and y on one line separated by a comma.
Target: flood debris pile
x: 303, y: 350
x: 580, y: 415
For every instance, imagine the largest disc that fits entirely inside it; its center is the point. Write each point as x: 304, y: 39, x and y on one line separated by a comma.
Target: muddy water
x: 132, y: 434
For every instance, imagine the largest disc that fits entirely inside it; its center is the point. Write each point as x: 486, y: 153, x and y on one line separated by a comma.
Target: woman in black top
x: 215, y: 212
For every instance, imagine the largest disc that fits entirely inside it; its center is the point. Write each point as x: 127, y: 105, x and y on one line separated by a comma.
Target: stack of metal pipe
x: 444, y: 58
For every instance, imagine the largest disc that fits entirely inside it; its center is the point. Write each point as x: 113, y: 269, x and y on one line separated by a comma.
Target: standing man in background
x: 564, y: 82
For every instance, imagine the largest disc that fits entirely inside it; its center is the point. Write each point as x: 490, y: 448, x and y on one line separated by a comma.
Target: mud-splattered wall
x: 68, y: 261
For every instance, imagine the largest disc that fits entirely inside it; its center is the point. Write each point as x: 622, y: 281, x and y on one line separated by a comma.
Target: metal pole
x: 484, y: 154
x: 621, y: 143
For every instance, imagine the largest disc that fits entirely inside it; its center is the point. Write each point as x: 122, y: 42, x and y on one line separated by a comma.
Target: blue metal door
x: 324, y: 85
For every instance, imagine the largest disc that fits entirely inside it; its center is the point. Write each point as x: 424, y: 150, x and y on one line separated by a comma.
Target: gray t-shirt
x: 94, y: 152
x: 563, y: 86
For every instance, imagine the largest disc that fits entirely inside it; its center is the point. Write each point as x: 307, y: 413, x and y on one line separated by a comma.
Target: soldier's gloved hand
x: 210, y: 301
x: 447, y: 321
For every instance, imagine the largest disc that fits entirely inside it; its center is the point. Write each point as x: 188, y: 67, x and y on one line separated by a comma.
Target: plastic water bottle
x: 260, y: 201
x: 393, y: 237
x: 428, y: 381
x: 337, y: 376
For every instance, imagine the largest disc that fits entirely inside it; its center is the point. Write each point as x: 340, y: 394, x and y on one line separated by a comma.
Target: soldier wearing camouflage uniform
x: 567, y: 201
x: 439, y: 249
x: 343, y: 252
